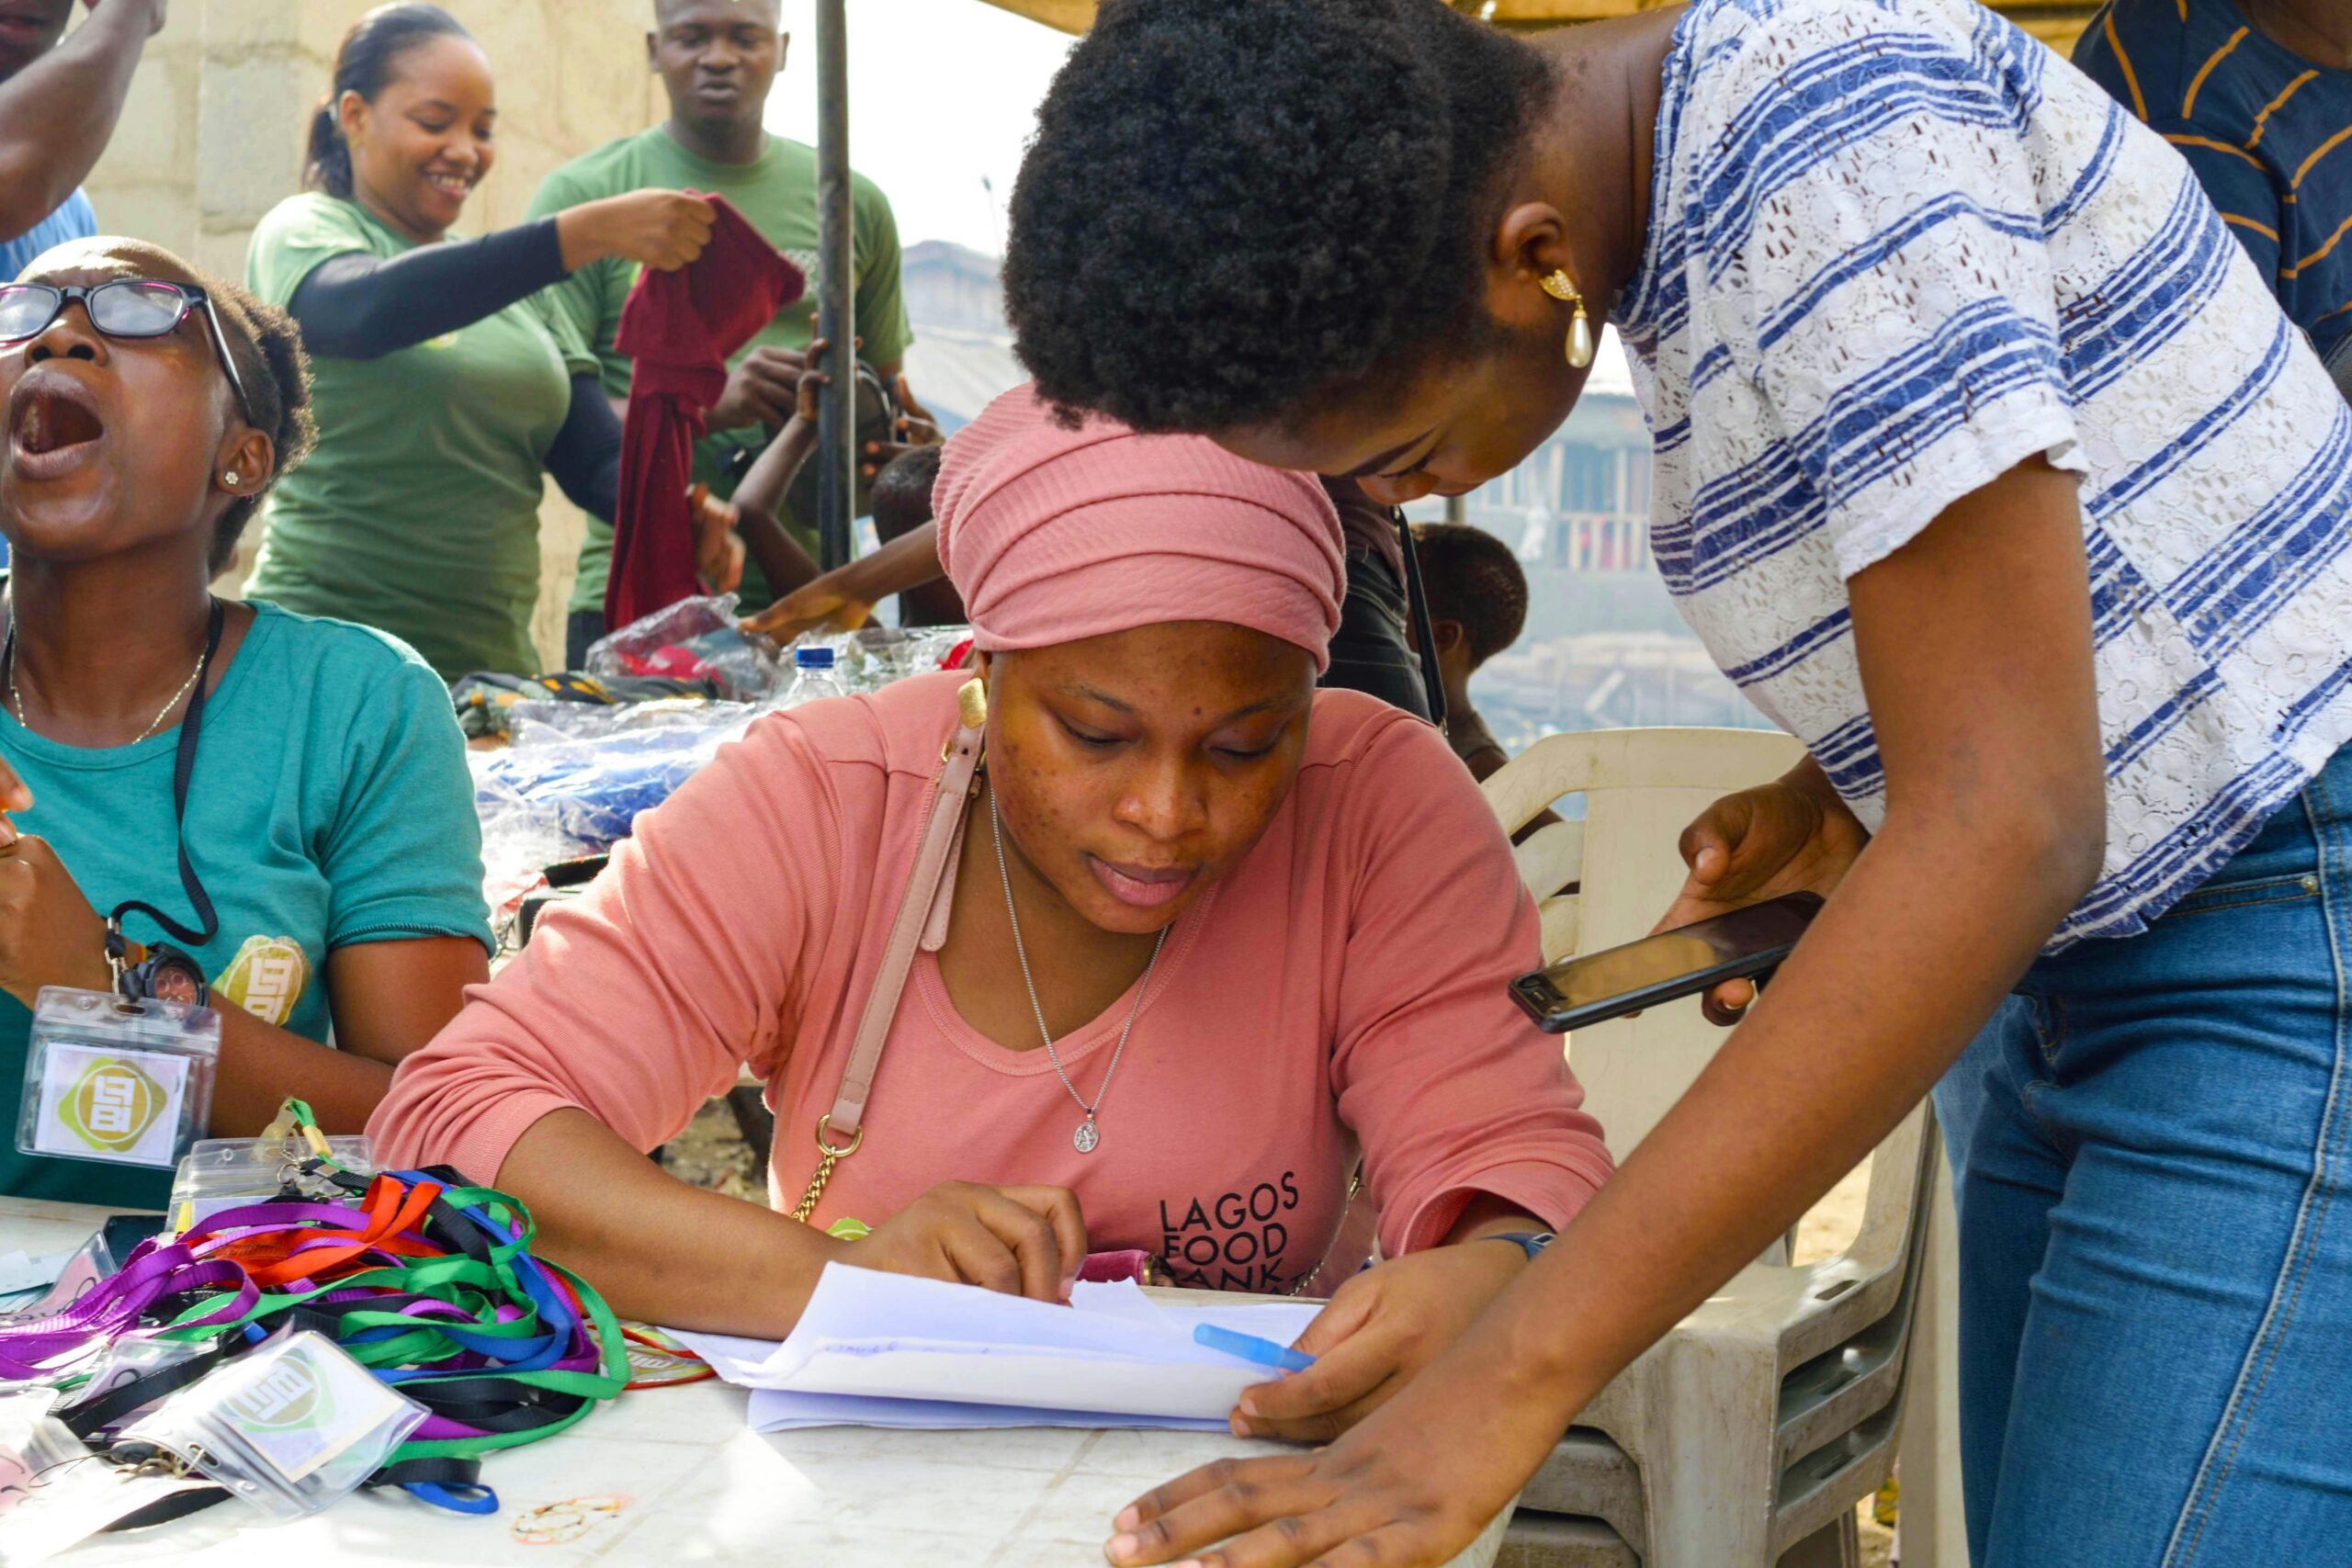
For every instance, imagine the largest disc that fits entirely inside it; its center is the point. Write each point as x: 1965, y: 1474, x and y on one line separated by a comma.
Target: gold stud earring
x: 972, y: 703
x: 1557, y: 284
x: 229, y: 478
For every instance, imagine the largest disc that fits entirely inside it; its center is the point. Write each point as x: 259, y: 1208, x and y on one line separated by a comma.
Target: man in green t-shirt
x: 717, y: 59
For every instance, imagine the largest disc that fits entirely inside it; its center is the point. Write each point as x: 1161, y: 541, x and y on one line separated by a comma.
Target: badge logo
x: 267, y: 978
x: 292, y: 1398
x: 112, y: 1104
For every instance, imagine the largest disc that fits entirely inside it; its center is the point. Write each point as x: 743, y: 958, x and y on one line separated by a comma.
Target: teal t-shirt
x: 418, y: 511
x: 330, y: 806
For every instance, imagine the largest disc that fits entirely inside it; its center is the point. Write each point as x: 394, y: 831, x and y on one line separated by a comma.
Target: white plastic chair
x: 1747, y: 1436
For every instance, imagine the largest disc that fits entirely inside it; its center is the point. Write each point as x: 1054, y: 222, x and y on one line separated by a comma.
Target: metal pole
x: 836, y: 454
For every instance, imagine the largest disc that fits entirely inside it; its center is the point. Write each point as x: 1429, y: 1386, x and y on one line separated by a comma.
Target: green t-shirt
x: 330, y: 806
x: 418, y: 514
x: 777, y: 194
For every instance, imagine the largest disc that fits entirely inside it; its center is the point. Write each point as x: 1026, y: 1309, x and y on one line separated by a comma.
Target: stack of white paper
x: 878, y: 1349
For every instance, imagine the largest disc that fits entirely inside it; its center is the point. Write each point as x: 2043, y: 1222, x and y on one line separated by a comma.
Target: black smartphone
x: 1576, y: 993
x: 121, y: 1232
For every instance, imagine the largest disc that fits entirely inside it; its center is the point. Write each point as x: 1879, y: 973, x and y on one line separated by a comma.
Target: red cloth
x: 678, y: 329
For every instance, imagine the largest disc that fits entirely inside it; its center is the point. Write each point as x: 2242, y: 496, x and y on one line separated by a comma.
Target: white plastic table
x: 672, y: 1475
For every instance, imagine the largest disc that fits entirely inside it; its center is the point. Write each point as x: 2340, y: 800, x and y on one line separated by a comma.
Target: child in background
x: 901, y: 505
x: 1478, y: 607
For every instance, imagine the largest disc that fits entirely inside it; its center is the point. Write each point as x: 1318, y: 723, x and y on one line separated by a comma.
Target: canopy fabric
x: 2055, y: 22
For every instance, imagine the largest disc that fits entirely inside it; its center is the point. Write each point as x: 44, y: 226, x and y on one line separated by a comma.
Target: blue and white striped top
x: 1898, y: 247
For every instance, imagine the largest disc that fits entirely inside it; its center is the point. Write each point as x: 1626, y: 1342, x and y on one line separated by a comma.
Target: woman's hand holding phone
x: 1791, y: 835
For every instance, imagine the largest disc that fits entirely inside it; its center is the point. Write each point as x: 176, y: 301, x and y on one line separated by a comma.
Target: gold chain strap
x: 829, y: 1157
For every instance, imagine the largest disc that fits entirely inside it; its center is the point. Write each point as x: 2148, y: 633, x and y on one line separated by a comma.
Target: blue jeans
x: 2151, y: 1139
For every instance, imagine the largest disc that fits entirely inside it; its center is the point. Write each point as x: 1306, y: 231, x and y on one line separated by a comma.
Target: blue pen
x: 1250, y: 1347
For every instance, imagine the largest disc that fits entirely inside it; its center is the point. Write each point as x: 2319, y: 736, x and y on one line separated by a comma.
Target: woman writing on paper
x: 1207, y: 938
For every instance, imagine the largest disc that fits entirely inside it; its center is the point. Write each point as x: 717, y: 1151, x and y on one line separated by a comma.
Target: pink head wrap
x: 1054, y: 535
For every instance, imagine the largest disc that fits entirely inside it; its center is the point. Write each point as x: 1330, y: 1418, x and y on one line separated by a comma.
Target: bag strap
x: 841, y: 1130
x: 1424, y: 632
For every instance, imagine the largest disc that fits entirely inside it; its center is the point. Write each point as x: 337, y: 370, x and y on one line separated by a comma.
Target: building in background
x: 961, y: 356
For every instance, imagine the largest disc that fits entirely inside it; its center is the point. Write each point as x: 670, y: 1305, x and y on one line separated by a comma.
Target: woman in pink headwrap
x: 1207, y: 939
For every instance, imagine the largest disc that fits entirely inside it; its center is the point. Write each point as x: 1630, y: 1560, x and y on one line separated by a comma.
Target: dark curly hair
x: 1471, y: 576
x: 268, y: 346
x: 1231, y: 204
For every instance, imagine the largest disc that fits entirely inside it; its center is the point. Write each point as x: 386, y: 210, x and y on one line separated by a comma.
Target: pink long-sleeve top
x: 1340, y: 993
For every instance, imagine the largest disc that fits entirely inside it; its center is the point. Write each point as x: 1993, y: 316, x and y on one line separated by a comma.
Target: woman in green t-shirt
x: 445, y: 388
x: 333, y: 873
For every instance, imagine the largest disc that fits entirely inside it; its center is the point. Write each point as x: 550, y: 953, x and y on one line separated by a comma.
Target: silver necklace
x: 17, y: 698
x: 1087, y: 1135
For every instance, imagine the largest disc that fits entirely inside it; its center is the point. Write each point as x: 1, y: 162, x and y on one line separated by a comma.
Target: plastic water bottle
x: 812, y: 678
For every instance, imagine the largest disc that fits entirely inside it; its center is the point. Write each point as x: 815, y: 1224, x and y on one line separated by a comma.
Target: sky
x: 942, y: 94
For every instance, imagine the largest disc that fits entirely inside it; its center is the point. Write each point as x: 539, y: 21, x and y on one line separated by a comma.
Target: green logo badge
x: 292, y: 1398
x: 112, y: 1105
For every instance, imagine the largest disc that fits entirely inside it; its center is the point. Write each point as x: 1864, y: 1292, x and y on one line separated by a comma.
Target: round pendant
x: 1086, y: 1137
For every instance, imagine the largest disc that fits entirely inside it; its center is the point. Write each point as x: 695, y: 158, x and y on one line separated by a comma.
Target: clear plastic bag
x: 552, y: 798
x: 291, y: 1428
x: 871, y: 658
x: 693, y: 639
x: 111, y: 1079
x: 543, y: 724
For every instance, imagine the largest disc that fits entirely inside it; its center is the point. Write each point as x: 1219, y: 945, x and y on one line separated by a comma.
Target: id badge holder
x: 117, y: 1080
x: 227, y: 1173
x: 290, y: 1428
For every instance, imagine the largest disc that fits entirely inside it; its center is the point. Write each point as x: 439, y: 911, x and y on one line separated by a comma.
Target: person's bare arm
x: 846, y: 595
x: 57, y: 114
x: 1975, y: 643
x: 657, y: 1248
x: 669, y: 1253
x: 388, y: 999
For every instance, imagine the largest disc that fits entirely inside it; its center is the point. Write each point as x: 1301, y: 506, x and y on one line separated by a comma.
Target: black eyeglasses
x: 123, y: 308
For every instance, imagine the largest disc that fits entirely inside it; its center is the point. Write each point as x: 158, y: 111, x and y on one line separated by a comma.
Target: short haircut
x: 902, y: 491
x: 268, y: 346
x: 1234, y: 208
x: 1472, y: 577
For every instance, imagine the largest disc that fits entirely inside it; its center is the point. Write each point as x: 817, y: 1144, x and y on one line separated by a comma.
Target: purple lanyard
x: 41, y: 1347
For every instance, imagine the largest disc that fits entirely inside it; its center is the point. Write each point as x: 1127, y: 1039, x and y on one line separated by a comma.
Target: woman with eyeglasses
x: 445, y: 388
x: 331, y: 871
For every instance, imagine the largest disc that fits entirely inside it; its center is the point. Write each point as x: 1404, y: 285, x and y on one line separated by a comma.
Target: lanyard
x: 183, y: 766
x: 428, y: 1282
x: 438, y: 1294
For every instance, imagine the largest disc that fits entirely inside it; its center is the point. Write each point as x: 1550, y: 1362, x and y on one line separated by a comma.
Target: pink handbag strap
x: 917, y: 914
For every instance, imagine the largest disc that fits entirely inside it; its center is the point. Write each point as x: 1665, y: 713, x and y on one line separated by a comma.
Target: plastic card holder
x: 112, y: 1080
x: 227, y: 1173
x: 91, y: 1262
x: 127, y: 1360
x: 55, y: 1491
x: 291, y: 1427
